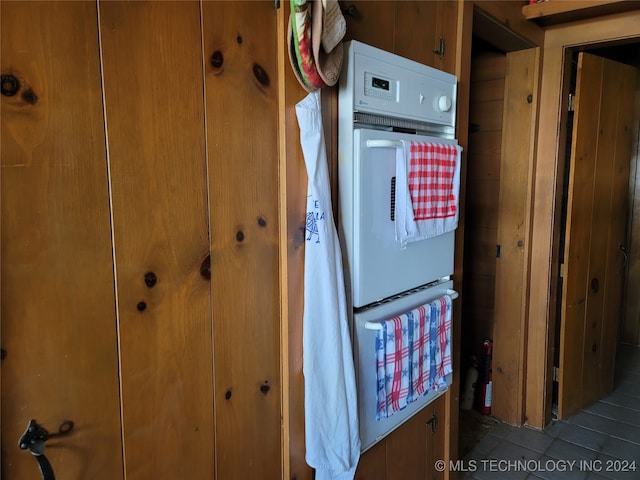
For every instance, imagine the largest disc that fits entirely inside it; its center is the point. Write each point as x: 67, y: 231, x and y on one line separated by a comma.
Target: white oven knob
x: 444, y: 103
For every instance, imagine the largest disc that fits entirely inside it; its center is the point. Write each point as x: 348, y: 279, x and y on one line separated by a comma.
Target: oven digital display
x: 381, y: 88
x: 380, y: 83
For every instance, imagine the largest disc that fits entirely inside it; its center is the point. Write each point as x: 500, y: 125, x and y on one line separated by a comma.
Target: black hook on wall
x: 34, y: 438
x: 440, y: 51
x: 351, y: 11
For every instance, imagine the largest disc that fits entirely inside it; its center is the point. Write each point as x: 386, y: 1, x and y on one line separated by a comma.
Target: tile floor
x: 600, y: 442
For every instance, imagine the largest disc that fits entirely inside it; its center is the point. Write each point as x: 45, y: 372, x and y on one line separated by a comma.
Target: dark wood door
x: 595, y: 231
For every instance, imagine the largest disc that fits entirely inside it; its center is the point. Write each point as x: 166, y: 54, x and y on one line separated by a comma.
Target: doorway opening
x: 481, y: 228
x: 492, y: 43
x: 625, y: 325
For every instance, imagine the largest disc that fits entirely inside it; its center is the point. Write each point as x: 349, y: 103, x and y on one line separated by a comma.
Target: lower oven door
x: 378, y: 266
x: 364, y: 341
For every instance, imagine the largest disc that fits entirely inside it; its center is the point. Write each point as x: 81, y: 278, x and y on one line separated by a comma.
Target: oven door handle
x: 378, y: 325
x: 385, y: 144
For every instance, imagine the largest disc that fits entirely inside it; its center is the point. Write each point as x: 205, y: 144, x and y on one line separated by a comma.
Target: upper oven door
x: 379, y: 267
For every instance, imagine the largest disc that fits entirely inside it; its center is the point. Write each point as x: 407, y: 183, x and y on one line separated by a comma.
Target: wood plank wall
x: 140, y: 239
x: 482, y: 196
x: 242, y: 158
x: 233, y: 223
x: 60, y: 355
x: 157, y: 164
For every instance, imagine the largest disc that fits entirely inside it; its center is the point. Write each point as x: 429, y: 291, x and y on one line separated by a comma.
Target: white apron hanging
x: 331, y: 412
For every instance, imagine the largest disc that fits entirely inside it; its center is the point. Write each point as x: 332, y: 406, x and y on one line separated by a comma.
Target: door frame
x: 552, y: 137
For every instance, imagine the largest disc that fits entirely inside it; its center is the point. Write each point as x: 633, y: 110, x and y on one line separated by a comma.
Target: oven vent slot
x: 385, y: 121
x: 393, y: 298
x: 393, y: 199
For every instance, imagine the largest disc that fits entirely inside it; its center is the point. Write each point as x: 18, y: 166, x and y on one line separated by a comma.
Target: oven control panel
x: 382, y: 83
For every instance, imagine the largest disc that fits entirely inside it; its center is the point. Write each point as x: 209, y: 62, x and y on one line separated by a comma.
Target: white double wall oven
x: 385, y: 100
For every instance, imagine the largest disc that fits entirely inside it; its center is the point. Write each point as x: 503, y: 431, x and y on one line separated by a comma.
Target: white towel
x: 331, y: 412
x: 427, y: 190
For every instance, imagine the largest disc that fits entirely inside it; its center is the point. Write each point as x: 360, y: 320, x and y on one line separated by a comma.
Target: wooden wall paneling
x: 409, y: 29
x: 372, y: 22
x: 329, y: 106
x: 292, y: 213
x: 447, y: 27
x: 412, y: 449
x: 514, y: 213
x: 373, y: 463
x: 483, y: 210
x: 486, y: 94
x: 155, y: 124
x: 490, y: 89
x: 436, y: 435
x: 481, y: 294
x: 241, y: 80
x: 488, y: 65
x: 478, y: 312
x: 487, y: 116
x: 59, y: 344
x: 293, y: 194
x: 509, y: 14
x: 485, y: 149
x: 483, y: 253
x: 570, y: 11
x: 617, y: 27
x: 416, y: 31
x: 406, y: 447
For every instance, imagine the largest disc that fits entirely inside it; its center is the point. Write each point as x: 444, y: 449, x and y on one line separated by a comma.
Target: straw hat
x: 315, y: 32
x: 329, y: 27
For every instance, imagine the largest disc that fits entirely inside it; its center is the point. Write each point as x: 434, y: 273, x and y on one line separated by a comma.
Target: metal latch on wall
x: 440, y: 51
x: 33, y: 439
x: 433, y: 421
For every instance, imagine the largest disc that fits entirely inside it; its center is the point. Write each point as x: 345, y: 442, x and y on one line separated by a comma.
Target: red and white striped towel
x: 428, y: 184
x: 441, y: 325
x: 413, y: 355
x: 396, y: 363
